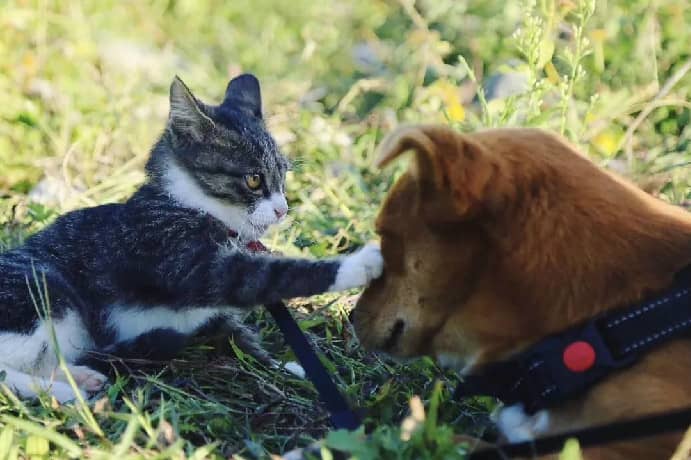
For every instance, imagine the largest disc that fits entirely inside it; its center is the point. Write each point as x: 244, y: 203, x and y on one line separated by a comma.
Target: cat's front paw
x: 290, y: 367
x: 359, y: 269
x: 86, y: 378
x: 517, y: 426
x: 64, y: 393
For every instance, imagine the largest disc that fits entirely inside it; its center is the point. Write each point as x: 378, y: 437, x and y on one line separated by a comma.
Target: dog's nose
x: 396, y: 333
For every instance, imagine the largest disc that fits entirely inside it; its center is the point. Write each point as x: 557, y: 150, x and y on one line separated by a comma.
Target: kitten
x: 138, y: 279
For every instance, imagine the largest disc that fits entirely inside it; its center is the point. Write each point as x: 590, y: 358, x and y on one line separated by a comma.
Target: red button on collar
x: 579, y: 356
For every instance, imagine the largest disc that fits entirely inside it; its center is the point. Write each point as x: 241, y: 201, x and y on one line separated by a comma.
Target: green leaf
x: 203, y: 452
x: 433, y: 411
x: 6, y: 441
x: 571, y: 450
x: 325, y: 453
x: 344, y: 440
x: 36, y: 445
x: 51, y: 435
x: 546, y: 53
x: 307, y: 324
x: 331, y: 367
x: 238, y: 352
x: 383, y: 392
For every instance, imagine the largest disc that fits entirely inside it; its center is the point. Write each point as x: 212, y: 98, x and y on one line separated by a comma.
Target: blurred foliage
x: 83, y: 95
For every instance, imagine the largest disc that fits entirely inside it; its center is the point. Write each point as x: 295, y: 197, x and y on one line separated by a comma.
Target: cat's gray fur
x: 139, y: 278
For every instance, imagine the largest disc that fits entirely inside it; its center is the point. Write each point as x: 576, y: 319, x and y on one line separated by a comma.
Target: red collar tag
x: 252, y: 246
x: 256, y: 246
x: 579, y: 356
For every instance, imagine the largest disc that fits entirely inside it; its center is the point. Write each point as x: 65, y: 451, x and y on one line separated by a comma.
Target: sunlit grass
x: 83, y: 95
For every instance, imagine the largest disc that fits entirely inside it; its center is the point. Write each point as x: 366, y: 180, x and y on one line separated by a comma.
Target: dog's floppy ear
x: 475, y: 178
x: 425, y: 141
x: 447, y: 164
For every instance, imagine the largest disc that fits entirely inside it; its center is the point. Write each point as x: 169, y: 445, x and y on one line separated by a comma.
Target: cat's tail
x: 162, y: 344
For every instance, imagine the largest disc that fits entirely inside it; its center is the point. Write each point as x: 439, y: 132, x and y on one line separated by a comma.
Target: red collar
x: 252, y: 246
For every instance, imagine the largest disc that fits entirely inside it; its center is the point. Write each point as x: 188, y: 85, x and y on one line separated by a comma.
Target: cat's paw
x: 359, y: 269
x: 517, y: 426
x: 295, y: 369
x: 290, y: 367
x: 86, y: 378
x: 63, y: 392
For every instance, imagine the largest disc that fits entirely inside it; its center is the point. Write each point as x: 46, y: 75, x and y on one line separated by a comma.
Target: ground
x: 83, y: 94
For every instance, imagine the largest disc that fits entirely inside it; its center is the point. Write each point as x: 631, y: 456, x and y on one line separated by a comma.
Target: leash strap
x: 342, y: 416
x: 618, y: 431
x: 641, y: 328
x: 565, y: 365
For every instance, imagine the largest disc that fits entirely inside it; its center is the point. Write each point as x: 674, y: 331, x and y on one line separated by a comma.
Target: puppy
x: 497, y: 239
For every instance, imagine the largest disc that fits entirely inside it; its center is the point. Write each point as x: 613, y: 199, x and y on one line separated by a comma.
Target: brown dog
x: 496, y: 239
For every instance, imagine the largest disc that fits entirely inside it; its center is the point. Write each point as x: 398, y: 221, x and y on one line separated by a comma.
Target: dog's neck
x: 591, y: 271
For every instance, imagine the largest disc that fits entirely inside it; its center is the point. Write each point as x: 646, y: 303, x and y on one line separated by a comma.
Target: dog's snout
x: 396, y: 332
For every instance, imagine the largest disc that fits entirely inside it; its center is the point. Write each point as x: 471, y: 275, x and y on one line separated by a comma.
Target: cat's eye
x: 253, y: 181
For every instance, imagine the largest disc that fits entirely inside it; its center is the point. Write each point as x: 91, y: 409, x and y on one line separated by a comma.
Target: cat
x: 179, y: 257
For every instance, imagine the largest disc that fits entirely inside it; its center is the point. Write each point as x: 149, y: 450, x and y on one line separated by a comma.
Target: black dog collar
x: 565, y: 365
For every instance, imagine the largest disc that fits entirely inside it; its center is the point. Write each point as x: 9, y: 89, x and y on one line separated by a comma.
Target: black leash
x: 342, y: 416
x: 618, y: 431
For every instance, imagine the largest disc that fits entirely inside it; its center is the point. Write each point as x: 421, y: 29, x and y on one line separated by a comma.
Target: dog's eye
x: 253, y: 181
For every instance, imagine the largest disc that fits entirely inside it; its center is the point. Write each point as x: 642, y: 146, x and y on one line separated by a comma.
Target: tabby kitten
x: 138, y: 279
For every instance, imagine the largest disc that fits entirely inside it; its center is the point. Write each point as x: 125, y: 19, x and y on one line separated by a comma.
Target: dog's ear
x: 452, y: 169
x: 475, y: 178
x: 425, y: 142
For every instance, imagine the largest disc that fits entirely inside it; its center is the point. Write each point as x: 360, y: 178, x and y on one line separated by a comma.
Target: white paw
x: 518, y: 426
x: 295, y: 454
x: 88, y: 379
x: 359, y: 269
x: 63, y: 392
x: 295, y: 369
x: 291, y: 367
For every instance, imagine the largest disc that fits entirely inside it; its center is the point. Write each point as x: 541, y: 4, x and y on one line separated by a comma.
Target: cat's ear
x: 243, y: 93
x: 187, y: 117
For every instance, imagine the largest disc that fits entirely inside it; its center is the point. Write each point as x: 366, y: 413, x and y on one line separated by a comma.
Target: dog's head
x: 494, y: 239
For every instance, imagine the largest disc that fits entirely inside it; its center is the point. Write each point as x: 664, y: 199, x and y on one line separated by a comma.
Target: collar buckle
x: 566, y: 365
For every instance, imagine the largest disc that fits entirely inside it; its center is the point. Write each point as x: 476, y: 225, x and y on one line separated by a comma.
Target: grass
x: 83, y: 94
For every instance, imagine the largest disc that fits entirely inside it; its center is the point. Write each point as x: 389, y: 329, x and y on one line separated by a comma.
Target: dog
x: 497, y: 239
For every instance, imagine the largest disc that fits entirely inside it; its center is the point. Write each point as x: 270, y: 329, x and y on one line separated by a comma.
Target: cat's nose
x: 280, y: 212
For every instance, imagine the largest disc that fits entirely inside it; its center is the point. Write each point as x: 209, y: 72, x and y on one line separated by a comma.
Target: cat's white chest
x: 130, y: 321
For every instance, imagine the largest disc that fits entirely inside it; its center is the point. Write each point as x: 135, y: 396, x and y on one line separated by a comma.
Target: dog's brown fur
x: 495, y: 239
